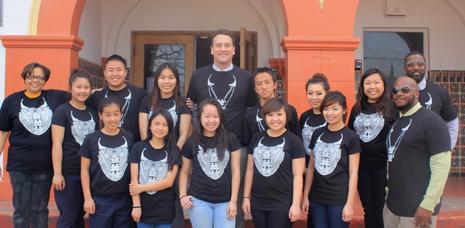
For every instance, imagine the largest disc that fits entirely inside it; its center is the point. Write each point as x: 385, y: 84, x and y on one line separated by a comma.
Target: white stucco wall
x: 15, y: 22
x: 120, y: 17
x: 442, y: 19
x: 90, y: 31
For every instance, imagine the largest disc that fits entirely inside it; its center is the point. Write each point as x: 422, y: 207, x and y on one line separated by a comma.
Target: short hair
x: 274, y: 104
x: 318, y: 78
x: 267, y: 70
x: 413, y: 53
x: 27, y: 70
x: 222, y: 32
x: 75, y: 74
x: 116, y: 58
x: 334, y: 97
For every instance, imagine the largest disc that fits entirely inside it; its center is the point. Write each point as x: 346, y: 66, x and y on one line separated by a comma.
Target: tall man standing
x: 432, y: 96
x: 231, y: 87
x: 418, y: 161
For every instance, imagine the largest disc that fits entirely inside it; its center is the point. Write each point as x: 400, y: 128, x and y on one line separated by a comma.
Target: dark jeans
x: 327, y: 216
x: 372, y: 191
x: 31, y: 193
x: 179, y: 213
x: 271, y: 219
x: 70, y: 203
x: 240, y: 197
x: 112, y: 211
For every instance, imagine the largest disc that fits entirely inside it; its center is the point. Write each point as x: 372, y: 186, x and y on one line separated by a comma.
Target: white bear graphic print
x: 267, y: 159
x: 307, y: 132
x: 113, y: 161
x: 368, y: 126
x: 210, y: 163
x: 152, y: 171
x: 37, y: 120
x: 327, y: 155
x: 80, y: 129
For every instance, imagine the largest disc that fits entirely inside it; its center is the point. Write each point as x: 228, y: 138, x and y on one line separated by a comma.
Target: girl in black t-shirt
x: 212, y: 154
x: 104, y: 172
x: 71, y: 122
x: 154, y: 165
x: 166, y: 94
x: 275, y: 166
x: 316, y: 88
x: 331, y: 178
x: 371, y: 118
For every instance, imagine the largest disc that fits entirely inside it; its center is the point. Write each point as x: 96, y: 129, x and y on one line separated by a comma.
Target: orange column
x: 56, y: 45
x: 320, y: 39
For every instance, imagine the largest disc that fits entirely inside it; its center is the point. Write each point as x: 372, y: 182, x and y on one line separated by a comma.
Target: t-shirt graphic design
x: 80, y: 129
x: 227, y: 97
x: 368, y: 126
x: 210, y: 163
x: 125, y: 108
x: 36, y: 120
x: 267, y: 159
x: 392, y: 148
x: 259, y: 119
x: 113, y: 161
x: 152, y: 171
x: 327, y: 155
x: 307, y: 133
x: 429, y: 103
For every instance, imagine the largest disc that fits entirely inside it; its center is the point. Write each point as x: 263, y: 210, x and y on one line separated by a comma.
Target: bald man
x: 418, y: 161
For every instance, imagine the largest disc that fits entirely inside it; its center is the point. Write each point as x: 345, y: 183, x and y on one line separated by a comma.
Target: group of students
x: 120, y: 153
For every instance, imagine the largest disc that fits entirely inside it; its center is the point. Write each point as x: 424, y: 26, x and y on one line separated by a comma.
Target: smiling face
x: 405, y: 93
x: 264, y: 85
x: 315, y: 95
x: 276, y: 120
x: 35, y: 81
x: 210, y: 119
x: 334, y: 113
x: 415, y: 67
x: 115, y: 74
x: 373, y: 87
x: 159, y: 127
x: 111, y: 116
x: 167, y: 83
x: 80, y: 89
x: 222, y: 50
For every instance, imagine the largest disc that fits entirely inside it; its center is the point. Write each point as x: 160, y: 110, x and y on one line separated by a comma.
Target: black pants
x: 271, y: 219
x: 372, y: 190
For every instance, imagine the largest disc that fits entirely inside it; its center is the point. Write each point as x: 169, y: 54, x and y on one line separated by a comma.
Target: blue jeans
x: 70, y: 203
x: 111, y: 211
x: 208, y: 215
x: 327, y: 216
x: 146, y: 225
x: 31, y: 193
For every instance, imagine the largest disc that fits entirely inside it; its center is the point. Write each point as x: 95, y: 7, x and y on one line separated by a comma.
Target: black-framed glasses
x: 35, y: 78
x: 405, y: 89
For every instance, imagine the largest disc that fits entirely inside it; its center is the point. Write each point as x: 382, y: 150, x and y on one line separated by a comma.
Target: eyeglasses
x: 417, y: 63
x: 404, y: 90
x: 35, y: 78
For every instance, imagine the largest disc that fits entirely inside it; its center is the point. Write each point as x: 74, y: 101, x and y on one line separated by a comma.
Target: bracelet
x: 139, y: 206
x: 182, y: 197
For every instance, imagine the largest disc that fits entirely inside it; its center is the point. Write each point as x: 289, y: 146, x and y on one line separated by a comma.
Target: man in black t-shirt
x: 231, y: 87
x: 432, y: 96
x: 418, y: 161
x: 115, y: 72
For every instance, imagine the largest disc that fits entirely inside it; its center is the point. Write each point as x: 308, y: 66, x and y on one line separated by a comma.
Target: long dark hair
x: 170, y: 138
x: 155, y: 95
x: 382, y: 104
x: 221, y: 137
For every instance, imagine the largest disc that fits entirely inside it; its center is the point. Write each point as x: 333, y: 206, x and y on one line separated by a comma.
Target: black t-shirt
x: 77, y: 124
x: 413, y: 140
x: 169, y: 105
x: 157, y: 206
x: 309, y: 122
x: 436, y: 98
x: 372, y: 128
x: 272, y: 187
x: 211, y: 177
x: 331, y: 150
x: 28, y: 121
x: 130, y: 98
x: 232, y: 89
x: 109, y: 172
x: 255, y: 122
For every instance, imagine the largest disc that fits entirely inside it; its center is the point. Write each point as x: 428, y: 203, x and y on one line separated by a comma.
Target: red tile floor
x: 452, y: 213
